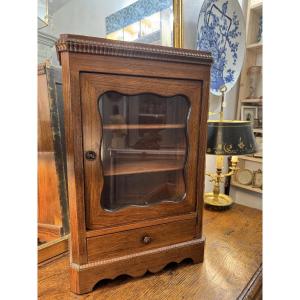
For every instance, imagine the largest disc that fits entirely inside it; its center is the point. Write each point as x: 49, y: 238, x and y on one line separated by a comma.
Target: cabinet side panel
x: 202, y: 152
x: 73, y: 135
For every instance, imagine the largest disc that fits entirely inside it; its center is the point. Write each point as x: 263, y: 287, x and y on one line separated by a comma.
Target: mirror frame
x: 177, y: 24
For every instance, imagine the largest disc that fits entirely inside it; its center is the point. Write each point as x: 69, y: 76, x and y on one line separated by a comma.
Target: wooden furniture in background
x: 231, y: 268
x: 253, y: 57
x: 136, y: 126
x: 52, y: 182
x: 53, y: 248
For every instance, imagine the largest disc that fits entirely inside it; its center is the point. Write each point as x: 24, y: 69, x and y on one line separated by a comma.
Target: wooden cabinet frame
x: 91, y: 66
x: 93, y: 86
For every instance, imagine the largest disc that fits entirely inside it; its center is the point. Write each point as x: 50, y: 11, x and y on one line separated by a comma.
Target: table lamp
x: 226, y: 137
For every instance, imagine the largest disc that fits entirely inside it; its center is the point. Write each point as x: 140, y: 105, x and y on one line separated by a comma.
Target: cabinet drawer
x: 141, y: 239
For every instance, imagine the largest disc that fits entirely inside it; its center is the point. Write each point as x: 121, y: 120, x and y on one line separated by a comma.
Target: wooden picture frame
x: 257, y: 179
x: 249, y: 113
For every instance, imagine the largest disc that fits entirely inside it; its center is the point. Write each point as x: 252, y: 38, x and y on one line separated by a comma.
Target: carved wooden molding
x: 130, y: 256
x: 100, y: 46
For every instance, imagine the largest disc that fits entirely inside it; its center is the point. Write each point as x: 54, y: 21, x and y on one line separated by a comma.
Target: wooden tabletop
x: 231, y: 268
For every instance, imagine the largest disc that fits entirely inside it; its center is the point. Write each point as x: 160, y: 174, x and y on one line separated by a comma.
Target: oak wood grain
x: 233, y: 253
x: 100, y: 46
x: 48, y: 195
x: 93, y: 86
x: 159, y: 235
x: 51, y: 249
x: 253, y: 290
x: 48, y: 232
x: 91, y: 67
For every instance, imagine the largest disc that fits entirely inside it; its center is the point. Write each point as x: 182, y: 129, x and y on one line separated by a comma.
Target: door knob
x: 90, y: 155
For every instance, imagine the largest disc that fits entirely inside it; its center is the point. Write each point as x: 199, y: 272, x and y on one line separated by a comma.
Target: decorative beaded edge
x: 134, y: 50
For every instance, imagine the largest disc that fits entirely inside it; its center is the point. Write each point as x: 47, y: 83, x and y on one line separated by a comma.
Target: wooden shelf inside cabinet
x: 246, y: 187
x: 131, y: 151
x: 143, y: 166
x: 142, y: 126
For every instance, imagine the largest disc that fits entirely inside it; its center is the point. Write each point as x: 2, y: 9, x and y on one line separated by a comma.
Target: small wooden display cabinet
x: 136, y: 126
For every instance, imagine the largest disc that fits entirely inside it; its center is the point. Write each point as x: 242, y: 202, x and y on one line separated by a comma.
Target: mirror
x: 53, y: 221
x: 145, y: 21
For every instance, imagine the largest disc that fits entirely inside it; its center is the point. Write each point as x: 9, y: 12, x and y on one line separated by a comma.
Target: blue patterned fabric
x: 134, y: 13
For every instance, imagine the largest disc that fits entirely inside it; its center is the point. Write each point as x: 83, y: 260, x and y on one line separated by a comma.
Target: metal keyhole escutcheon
x: 90, y: 155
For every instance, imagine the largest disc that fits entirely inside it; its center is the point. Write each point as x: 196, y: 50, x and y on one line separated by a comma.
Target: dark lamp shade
x: 230, y: 138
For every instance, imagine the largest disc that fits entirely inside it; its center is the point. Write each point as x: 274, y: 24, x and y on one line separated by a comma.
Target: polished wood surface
x: 49, y: 214
x: 231, y: 268
x: 253, y: 290
x: 53, y: 248
x: 90, y: 68
x: 159, y: 236
x: 95, y: 85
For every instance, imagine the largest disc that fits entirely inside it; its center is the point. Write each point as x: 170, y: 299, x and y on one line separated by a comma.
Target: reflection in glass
x: 143, y: 149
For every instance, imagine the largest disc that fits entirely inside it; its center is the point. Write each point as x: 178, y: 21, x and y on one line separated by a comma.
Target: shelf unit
x: 248, y: 162
x: 253, y: 57
x: 251, y: 158
x: 253, y: 54
x: 246, y: 187
x: 257, y: 101
x: 257, y: 130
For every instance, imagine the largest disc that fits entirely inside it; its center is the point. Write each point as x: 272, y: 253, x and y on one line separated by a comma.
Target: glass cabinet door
x: 143, y: 149
x: 140, y: 143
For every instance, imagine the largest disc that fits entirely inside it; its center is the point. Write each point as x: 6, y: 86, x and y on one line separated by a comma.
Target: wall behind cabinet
x: 88, y: 18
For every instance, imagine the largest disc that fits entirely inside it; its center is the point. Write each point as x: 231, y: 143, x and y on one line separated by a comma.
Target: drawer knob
x: 90, y: 155
x: 146, y: 239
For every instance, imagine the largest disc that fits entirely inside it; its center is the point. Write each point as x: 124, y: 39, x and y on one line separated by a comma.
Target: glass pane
x: 143, y: 149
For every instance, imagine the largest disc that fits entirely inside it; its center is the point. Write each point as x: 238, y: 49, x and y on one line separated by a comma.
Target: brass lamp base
x: 219, y: 202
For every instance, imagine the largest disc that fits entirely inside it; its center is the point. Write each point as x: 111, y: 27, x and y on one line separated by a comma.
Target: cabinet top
x: 101, y: 46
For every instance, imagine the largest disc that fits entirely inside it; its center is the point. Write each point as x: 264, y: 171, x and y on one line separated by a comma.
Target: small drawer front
x: 141, y: 239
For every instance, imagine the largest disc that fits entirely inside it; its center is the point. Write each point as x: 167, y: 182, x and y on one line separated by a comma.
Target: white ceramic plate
x: 221, y: 30
x: 244, y: 176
